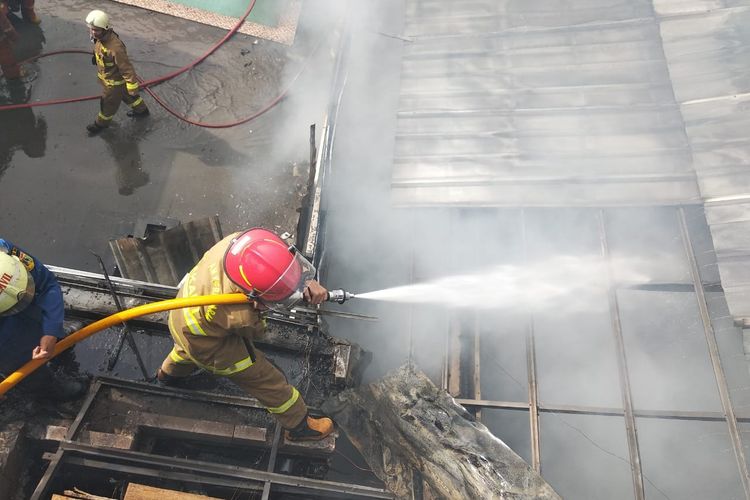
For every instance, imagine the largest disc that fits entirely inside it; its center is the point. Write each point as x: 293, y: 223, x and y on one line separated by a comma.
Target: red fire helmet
x: 260, y: 262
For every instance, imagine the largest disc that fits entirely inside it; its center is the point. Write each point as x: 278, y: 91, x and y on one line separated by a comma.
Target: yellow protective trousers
x: 112, y: 95
x: 252, y: 372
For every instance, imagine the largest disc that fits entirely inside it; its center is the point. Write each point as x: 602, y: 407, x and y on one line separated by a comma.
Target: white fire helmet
x: 16, y: 285
x: 98, y: 19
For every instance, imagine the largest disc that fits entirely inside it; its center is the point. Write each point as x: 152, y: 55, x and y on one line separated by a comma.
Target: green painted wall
x: 265, y: 12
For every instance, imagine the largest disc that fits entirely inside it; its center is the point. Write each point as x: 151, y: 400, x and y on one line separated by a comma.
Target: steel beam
x: 206, y: 472
x: 85, y: 407
x: 272, y: 460
x: 622, y: 364
x: 187, y: 477
x: 536, y: 454
x: 533, y: 399
x: 186, y: 394
x: 707, y: 416
x: 713, y: 350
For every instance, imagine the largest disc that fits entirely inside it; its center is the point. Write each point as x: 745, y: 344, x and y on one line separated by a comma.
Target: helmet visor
x: 294, y: 279
x: 24, y: 297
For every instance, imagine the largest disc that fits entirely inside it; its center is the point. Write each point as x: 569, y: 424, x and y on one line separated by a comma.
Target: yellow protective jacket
x: 113, y: 64
x: 215, y: 338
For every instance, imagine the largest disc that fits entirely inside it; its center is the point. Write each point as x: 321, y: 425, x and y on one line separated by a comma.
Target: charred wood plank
x: 405, y: 427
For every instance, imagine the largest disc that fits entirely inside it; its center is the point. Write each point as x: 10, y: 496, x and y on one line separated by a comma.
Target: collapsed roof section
x: 210, y: 444
x: 418, y: 439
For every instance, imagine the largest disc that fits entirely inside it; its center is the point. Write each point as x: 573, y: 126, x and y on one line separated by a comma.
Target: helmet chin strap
x: 254, y: 297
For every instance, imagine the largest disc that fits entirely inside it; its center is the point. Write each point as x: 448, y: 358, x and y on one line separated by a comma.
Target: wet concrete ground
x: 64, y: 193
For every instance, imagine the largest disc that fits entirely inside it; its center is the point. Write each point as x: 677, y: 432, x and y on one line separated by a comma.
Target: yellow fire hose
x: 115, y: 319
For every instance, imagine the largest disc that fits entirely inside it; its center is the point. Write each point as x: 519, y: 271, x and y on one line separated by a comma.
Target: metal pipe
x: 125, y: 333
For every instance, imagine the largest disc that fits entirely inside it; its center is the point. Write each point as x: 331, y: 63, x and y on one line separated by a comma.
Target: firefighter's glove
x: 93, y: 60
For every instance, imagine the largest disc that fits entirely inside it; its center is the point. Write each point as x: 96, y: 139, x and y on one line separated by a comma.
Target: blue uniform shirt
x: 20, y: 332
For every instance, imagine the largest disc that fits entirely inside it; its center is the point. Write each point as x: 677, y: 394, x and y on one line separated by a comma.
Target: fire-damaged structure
x: 507, y: 135
x: 422, y: 443
x: 135, y: 430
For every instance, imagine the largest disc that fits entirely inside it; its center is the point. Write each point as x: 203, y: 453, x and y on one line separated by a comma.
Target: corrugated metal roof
x: 597, y: 103
x: 165, y: 255
x: 707, y: 51
x: 536, y: 104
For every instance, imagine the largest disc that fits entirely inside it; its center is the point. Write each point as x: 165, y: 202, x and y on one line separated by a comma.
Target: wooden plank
x: 136, y: 491
x: 454, y: 357
x: 477, y: 364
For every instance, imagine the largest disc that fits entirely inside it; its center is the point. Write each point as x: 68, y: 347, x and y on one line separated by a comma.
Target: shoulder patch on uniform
x: 26, y: 259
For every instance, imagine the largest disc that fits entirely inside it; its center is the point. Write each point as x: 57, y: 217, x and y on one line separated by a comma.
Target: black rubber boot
x: 67, y: 389
x: 142, y: 114
x: 94, y: 128
x: 310, y: 429
x: 168, y: 380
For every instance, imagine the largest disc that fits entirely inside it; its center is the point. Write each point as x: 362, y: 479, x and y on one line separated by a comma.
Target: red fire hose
x: 169, y: 76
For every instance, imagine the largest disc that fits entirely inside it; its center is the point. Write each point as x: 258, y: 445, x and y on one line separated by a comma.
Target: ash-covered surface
x: 404, y: 425
x: 307, y: 359
x: 117, y: 409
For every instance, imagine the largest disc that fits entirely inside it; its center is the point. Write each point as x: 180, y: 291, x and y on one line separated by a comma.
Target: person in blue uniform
x: 31, y: 321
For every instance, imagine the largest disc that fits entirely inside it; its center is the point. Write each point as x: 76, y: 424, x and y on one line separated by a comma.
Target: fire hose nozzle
x: 339, y: 296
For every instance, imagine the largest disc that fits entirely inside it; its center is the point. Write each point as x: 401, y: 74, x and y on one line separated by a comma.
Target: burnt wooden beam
x: 406, y: 427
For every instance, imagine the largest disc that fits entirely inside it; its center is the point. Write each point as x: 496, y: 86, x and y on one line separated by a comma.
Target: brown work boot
x: 310, y: 429
x: 30, y: 16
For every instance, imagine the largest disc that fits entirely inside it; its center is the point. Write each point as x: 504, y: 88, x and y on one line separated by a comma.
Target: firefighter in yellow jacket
x: 116, y: 74
x: 218, y: 339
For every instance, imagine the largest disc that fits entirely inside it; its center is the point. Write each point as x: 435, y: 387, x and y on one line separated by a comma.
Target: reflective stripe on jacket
x: 215, y: 337
x: 113, y: 64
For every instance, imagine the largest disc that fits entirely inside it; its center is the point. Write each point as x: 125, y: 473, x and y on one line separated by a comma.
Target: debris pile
x: 416, y: 437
